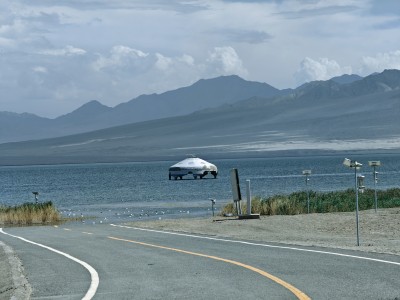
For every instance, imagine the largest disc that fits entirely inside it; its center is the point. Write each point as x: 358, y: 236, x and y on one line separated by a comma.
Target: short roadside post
x: 374, y: 164
x: 212, y: 205
x: 36, y: 194
x: 307, y: 173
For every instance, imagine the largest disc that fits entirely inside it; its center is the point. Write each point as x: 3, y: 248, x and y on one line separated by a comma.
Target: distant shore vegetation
x: 29, y: 214
x: 320, y: 202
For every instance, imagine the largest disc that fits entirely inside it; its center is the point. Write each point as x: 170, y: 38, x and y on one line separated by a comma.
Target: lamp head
x: 374, y: 163
x: 347, y: 162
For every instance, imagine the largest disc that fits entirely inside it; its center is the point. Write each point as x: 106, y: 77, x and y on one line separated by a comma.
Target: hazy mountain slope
x: 201, y: 95
x: 23, y: 126
x: 346, y: 78
x: 93, y: 115
x: 81, y: 119
x: 256, y: 126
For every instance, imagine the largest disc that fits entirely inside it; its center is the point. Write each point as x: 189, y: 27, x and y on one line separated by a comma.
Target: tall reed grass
x: 320, y: 202
x: 29, y: 213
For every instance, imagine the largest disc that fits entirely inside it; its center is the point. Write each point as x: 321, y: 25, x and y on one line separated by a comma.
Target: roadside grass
x: 29, y: 214
x: 320, y: 202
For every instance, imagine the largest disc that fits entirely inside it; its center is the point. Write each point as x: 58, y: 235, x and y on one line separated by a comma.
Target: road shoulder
x: 13, y: 281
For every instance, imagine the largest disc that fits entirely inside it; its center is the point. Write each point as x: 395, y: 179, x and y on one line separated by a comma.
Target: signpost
x: 236, y: 190
x: 237, y: 196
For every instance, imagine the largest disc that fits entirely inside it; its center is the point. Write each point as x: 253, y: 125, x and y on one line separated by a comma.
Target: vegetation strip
x: 299, y: 294
x: 29, y: 213
x: 320, y: 202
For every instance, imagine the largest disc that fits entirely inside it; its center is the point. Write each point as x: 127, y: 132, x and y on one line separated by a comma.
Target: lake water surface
x: 129, y: 191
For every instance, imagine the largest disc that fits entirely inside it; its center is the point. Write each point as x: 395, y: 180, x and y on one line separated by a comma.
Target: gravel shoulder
x: 13, y: 282
x: 379, y: 232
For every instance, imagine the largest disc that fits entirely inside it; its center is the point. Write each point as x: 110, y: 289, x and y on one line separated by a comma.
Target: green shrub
x: 320, y: 202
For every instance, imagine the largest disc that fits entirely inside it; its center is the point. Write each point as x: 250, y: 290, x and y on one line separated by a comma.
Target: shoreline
x: 21, y: 161
x: 379, y: 232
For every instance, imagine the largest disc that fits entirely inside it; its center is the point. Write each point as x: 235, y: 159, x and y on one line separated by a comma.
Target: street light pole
x: 354, y: 164
x: 375, y: 164
x: 307, y: 173
x: 357, y: 222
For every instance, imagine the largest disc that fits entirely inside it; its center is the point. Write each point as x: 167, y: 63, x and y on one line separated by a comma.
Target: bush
x: 320, y: 202
x: 29, y: 213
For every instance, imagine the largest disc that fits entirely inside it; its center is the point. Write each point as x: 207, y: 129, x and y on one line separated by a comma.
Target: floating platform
x: 194, y: 166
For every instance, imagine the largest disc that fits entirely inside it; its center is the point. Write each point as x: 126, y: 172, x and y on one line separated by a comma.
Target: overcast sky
x: 56, y: 55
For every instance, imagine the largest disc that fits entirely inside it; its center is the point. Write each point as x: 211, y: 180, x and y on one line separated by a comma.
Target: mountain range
x: 94, y: 115
x: 229, y: 117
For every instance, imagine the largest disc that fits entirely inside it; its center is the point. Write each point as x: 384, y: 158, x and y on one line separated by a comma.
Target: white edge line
x: 263, y: 245
x: 93, y: 273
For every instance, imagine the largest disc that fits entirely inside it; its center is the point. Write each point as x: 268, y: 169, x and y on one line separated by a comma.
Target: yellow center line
x: 299, y: 294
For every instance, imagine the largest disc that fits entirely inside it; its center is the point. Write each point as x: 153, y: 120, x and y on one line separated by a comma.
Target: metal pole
x: 376, y: 197
x: 308, y: 196
x: 248, y: 192
x: 356, y: 186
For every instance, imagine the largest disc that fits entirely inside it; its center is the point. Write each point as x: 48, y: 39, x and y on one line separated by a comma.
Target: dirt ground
x: 378, y: 232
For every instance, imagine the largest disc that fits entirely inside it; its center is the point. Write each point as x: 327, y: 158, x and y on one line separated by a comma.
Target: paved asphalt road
x: 142, y: 264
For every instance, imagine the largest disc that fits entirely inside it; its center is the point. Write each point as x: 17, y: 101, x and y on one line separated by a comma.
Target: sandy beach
x: 379, y: 232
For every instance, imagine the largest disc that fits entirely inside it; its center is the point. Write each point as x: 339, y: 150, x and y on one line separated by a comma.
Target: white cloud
x: 67, y: 51
x: 320, y: 69
x: 187, y: 59
x: 120, y: 56
x: 39, y: 69
x: 380, y: 62
x: 57, y: 54
x: 163, y: 63
x: 225, y: 61
x: 6, y: 43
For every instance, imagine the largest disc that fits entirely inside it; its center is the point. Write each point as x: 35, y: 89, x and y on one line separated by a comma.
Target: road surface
x: 84, y: 261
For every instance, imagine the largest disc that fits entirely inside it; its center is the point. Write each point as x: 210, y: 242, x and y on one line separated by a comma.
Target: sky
x: 56, y: 55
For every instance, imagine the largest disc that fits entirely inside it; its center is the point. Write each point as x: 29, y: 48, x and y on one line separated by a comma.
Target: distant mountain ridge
x: 217, y: 94
x: 93, y: 115
x: 318, y: 116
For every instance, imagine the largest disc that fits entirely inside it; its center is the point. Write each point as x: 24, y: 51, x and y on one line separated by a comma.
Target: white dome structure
x: 194, y: 166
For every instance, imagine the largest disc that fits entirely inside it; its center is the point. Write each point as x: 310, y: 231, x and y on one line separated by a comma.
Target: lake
x: 141, y: 190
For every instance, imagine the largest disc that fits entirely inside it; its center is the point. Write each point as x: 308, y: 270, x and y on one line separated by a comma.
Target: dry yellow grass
x: 29, y: 213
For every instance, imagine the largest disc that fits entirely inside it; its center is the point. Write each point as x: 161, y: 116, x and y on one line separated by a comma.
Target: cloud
x: 321, y: 69
x: 163, y: 63
x: 120, y: 57
x: 56, y: 55
x: 225, y: 61
x: 380, y: 62
x: 318, y: 11
x: 173, y: 5
x: 67, y: 51
x: 246, y: 36
x: 39, y: 69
